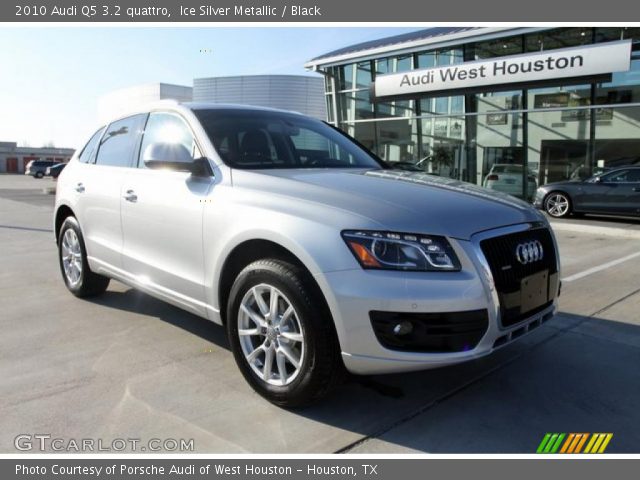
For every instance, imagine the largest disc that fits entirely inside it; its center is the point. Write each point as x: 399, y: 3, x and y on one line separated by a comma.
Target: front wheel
x: 77, y: 275
x: 281, y: 334
x: 557, y: 204
x: 39, y: 175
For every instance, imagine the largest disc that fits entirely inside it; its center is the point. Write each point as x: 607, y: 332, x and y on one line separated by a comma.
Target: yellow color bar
x: 591, y: 442
x: 596, y: 445
x: 607, y: 439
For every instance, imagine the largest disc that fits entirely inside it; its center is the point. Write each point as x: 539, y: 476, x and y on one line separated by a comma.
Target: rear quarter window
x: 88, y: 152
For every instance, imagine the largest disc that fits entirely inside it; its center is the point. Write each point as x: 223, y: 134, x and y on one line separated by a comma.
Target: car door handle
x: 636, y: 189
x: 80, y: 187
x: 131, y: 196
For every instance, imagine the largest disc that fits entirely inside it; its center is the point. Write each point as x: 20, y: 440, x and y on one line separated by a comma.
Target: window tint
x: 618, y: 176
x: 117, y: 146
x: 170, y: 129
x: 256, y: 139
x: 87, y: 154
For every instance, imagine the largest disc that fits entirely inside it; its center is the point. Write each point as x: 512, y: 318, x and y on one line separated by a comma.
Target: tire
x: 39, y: 175
x: 72, y: 256
x: 304, y: 332
x: 557, y: 204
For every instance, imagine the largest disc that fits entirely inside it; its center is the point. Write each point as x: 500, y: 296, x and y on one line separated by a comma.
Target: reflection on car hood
x: 395, y: 200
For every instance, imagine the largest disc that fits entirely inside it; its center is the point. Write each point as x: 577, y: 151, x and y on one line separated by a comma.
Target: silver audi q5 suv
x: 313, y: 253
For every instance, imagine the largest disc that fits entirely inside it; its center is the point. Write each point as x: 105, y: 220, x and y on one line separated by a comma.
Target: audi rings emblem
x: 529, y: 252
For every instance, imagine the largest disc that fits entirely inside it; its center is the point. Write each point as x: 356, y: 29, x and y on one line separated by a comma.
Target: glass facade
x: 508, y: 140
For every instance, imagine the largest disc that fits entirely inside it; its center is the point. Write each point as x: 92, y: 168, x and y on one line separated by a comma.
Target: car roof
x: 232, y: 106
x: 174, y: 105
x: 623, y: 167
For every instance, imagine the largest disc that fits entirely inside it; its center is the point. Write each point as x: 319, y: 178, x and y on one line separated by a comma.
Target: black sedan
x: 55, y: 170
x: 615, y: 192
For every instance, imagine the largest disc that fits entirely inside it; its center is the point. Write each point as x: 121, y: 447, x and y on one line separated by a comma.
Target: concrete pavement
x: 127, y: 365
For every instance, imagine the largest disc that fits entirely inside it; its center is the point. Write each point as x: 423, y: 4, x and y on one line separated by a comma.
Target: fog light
x: 403, y: 328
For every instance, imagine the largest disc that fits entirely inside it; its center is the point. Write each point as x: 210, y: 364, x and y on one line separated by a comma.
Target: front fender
x: 318, y: 246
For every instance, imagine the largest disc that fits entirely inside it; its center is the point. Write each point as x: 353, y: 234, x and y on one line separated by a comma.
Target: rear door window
x: 634, y: 176
x: 119, y: 142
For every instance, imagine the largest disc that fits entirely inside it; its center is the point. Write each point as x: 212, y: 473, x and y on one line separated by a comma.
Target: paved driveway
x: 128, y: 366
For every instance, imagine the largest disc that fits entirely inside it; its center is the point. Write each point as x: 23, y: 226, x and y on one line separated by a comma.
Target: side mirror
x: 597, y: 180
x: 176, y: 157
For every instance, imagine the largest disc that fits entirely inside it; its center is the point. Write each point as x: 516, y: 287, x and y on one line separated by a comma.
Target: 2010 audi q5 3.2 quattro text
x: 312, y: 252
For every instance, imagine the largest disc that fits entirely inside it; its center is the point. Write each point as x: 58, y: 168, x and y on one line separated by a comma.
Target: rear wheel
x: 557, y: 204
x: 77, y: 275
x: 281, y: 335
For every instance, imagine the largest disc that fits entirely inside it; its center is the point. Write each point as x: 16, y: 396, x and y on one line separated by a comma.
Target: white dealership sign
x: 553, y: 64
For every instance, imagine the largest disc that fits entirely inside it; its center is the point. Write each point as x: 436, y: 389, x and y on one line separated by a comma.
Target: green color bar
x: 556, y: 446
x: 550, y: 443
x: 543, y: 443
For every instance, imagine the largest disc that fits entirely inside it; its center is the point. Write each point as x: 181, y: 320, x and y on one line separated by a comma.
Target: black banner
x: 307, y: 469
x: 315, y: 11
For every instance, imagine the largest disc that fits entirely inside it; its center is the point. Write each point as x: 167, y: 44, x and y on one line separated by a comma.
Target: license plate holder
x: 534, y: 291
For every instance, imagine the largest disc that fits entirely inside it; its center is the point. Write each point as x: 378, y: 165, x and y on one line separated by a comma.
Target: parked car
x: 614, y: 192
x: 55, y: 170
x: 311, y: 252
x: 507, y: 178
x: 38, y: 168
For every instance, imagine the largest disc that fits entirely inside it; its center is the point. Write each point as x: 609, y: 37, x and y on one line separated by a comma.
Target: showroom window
x: 609, y: 34
x: 548, y: 133
x: 558, y: 38
x: 617, y: 137
x: 497, y: 48
x: 345, y: 77
x: 364, y: 77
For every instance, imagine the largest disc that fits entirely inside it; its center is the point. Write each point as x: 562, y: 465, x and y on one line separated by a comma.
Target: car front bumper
x: 353, y: 294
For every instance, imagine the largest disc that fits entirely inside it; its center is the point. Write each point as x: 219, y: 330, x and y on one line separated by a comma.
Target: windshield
x: 254, y: 139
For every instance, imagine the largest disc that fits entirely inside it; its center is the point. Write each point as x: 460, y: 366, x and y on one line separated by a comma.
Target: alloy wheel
x: 271, y: 335
x: 71, y: 257
x: 557, y: 205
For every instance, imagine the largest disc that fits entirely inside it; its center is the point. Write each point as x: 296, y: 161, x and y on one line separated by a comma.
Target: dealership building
x: 547, y: 103
x: 300, y: 93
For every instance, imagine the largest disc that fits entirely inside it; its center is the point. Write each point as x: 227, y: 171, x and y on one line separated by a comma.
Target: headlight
x: 401, y: 251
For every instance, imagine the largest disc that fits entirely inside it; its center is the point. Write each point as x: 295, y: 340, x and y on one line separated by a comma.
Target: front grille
x: 431, y: 332
x: 508, y: 272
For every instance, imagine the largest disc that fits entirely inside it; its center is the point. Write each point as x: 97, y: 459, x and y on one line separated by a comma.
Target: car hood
x: 395, y: 200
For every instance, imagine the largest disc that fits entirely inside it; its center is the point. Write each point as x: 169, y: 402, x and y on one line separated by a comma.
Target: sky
x: 51, y: 77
